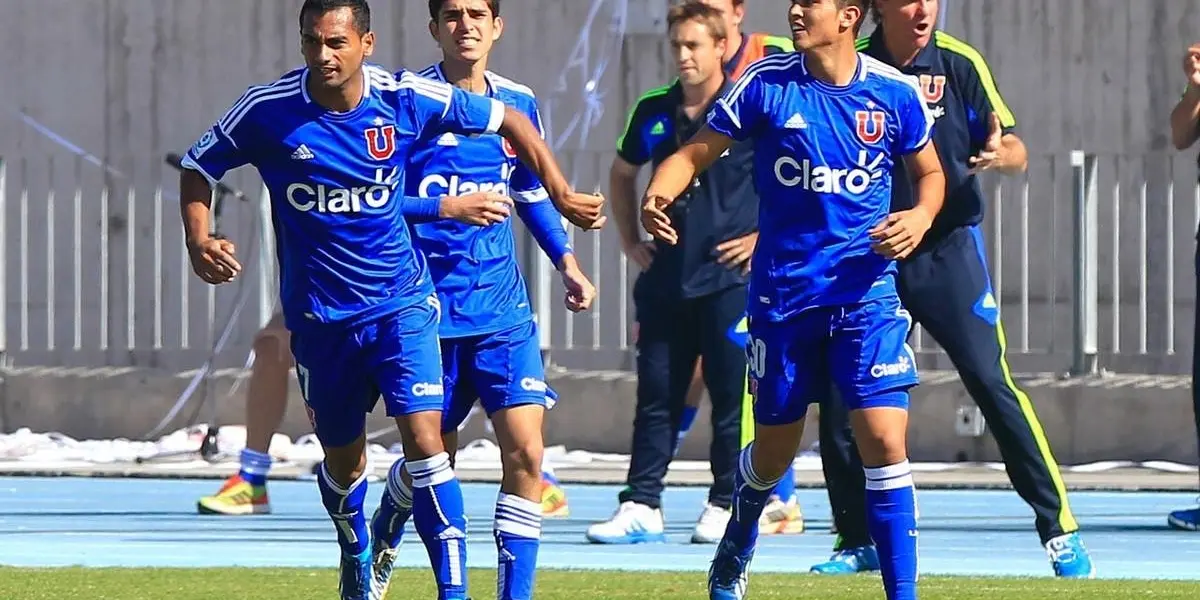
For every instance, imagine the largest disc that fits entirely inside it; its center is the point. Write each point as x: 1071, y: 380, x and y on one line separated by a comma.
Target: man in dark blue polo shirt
x: 690, y: 295
x: 1185, y: 130
x: 946, y: 286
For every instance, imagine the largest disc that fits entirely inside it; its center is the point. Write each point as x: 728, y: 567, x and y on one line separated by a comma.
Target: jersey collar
x: 860, y: 74
x: 487, y: 77
x: 923, y: 61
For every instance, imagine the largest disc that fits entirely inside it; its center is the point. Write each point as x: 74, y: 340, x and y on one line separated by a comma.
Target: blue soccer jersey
x: 344, y: 250
x: 475, y: 269
x: 823, y: 156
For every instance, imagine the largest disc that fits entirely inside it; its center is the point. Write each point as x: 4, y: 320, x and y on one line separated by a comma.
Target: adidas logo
x: 447, y: 139
x: 303, y: 153
x: 796, y: 122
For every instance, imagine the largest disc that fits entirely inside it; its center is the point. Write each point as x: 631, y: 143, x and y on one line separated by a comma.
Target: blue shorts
x: 501, y: 370
x: 861, y: 348
x: 344, y: 370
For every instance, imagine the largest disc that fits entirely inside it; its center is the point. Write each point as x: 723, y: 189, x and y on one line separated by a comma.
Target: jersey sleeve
x: 524, y: 184
x: 738, y: 114
x: 915, y: 119
x: 632, y: 146
x: 438, y: 108
x: 980, y: 95
x: 223, y: 147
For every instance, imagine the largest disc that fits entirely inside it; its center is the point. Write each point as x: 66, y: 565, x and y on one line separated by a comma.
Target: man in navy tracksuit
x: 946, y: 287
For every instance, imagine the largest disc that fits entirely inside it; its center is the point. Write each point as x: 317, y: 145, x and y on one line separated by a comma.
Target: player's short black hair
x: 360, y: 8
x: 435, y: 8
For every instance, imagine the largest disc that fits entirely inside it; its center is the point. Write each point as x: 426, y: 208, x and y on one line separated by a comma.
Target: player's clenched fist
x: 900, y: 233
x: 585, y: 211
x: 1191, y: 65
x: 656, y: 222
x: 213, y: 260
x: 480, y: 208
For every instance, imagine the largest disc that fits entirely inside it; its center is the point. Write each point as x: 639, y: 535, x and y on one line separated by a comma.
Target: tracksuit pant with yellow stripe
x: 948, y: 290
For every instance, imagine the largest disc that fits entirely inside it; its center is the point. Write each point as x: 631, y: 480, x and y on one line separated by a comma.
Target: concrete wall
x: 129, y: 80
x: 1134, y: 418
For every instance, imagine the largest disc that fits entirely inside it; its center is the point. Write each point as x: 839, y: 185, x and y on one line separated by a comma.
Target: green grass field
x: 315, y: 584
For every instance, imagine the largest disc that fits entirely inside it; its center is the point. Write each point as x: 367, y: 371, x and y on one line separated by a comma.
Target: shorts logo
x: 900, y: 367
x: 530, y: 384
x: 381, y: 141
x: 421, y: 390
x: 869, y: 125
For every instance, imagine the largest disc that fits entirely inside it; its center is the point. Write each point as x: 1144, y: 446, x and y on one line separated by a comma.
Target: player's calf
x: 879, y: 429
x: 518, y: 523
x: 438, y: 513
x: 342, y: 480
x: 387, y: 528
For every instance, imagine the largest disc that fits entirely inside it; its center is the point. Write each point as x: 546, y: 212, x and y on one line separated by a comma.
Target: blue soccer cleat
x: 728, y: 575
x: 1070, y: 558
x: 1187, y: 519
x: 848, y: 561
x: 354, y: 576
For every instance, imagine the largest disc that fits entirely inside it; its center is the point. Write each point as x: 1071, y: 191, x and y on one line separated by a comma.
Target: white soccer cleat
x: 710, y: 528
x: 633, y: 523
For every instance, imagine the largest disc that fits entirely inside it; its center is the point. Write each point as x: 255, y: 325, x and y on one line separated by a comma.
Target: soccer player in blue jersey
x: 490, y: 346
x: 331, y: 141
x: 827, y: 125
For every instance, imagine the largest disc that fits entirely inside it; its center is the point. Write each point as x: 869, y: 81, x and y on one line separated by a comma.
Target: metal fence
x: 1092, y: 261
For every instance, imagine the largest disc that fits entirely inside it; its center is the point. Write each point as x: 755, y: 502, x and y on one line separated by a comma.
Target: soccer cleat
x: 1070, y: 558
x: 710, y: 528
x: 383, y: 560
x: 781, y: 517
x: 236, y: 497
x: 728, y: 575
x: 1187, y: 519
x: 848, y: 561
x: 633, y: 523
x: 354, y: 577
x: 554, y: 499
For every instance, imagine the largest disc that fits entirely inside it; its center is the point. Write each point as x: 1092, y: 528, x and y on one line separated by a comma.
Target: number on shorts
x: 756, y: 356
x: 302, y: 375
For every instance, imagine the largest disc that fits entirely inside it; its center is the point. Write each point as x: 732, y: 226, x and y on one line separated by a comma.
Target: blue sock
x: 685, y: 425
x: 440, y: 521
x: 255, y: 466
x: 518, y: 532
x: 345, y: 507
x: 892, y: 521
x: 395, y: 507
x: 786, y: 488
x: 750, y: 495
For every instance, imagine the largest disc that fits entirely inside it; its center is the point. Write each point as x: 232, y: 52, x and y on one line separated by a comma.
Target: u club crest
x: 868, y: 124
x: 381, y: 141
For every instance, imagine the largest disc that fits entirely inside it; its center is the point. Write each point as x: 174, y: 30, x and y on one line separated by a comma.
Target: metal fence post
x: 3, y: 257
x: 266, y: 259
x: 1085, y: 254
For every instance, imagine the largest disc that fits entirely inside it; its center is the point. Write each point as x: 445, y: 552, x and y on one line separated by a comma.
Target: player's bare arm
x: 674, y: 175
x: 585, y: 211
x: 1185, y: 119
x: 212, y: 258
x: 1004, y: 152
x: 900, y: 234
x: 479, y: 208
x: 622, y: 188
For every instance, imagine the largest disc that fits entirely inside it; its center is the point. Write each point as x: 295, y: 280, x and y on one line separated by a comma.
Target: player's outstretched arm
x: 674, y: 175
x: 586, y: 211
x: 480, y: 208
x: 900, y: 234
x: 212, y: 258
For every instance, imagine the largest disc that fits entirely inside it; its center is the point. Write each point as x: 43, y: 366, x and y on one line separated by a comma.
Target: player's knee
x: 421, y: 434
x: 881, y: 432
x: 525, y: 458
x: 271, y: 350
